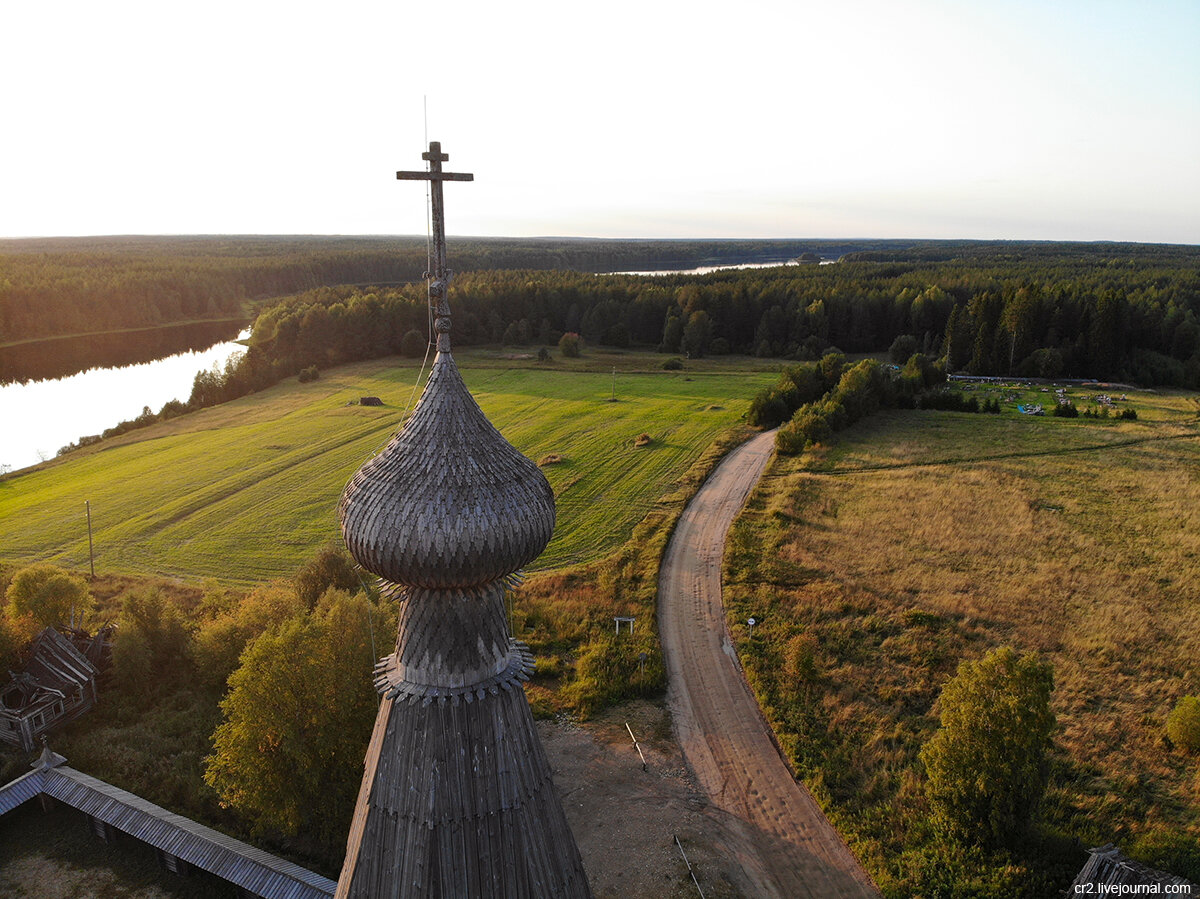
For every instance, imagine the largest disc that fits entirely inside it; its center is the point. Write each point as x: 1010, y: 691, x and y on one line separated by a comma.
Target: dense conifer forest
x: 1081, y: 311
x: 51, y: 287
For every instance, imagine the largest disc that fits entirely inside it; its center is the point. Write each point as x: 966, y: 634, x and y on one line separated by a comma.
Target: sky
x: 993, y: 119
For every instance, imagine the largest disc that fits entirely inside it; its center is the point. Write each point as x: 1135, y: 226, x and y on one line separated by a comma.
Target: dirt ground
x: 39, y: 877
x: 626, y: 819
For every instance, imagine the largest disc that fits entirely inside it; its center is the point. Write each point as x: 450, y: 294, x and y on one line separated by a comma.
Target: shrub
x: 309, y: 374
x: 768, y: 409
x: 330, y: 567
x: 570, y: 345
x: 1183, y: 724
x: 413, y: 344
x: 673, y: 365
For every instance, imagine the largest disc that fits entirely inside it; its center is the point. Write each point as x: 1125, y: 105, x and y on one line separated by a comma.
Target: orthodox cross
x: 439, y: 278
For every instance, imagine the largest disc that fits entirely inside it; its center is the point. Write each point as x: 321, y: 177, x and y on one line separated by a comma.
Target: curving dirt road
x: 785, y: 845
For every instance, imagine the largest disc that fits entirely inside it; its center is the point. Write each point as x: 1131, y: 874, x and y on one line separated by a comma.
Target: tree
x: 987, y: 763
x: 221, y: 639
x: 153, y: 646
x: 48, y: 595
x: 672, y: 332
x: 330, y: 567
x: 696, y: 334
x: 1183, y: 724
x: 568, y: 345
x: 902, y: 348
x: 412, y: 344
x: 297, y: 719
x: 11, y: 641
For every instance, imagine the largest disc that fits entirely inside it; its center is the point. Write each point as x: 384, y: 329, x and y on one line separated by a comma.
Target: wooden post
x: 689, y: 867
x: 91, y: 550
x: 636, y: 745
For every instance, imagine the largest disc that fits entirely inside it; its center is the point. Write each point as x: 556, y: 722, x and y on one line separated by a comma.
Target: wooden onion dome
x: 457, y: 798
x: 449, y: 502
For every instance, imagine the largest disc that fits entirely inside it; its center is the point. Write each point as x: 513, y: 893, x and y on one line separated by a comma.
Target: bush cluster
x: 797, y: 385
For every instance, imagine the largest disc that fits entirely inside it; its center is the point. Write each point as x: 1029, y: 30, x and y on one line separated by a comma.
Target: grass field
x: 246, y: 491
x: 919, y: 539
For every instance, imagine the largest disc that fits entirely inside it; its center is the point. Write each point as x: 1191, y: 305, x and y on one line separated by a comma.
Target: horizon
x: 956, y: 121
x: 588, y: 237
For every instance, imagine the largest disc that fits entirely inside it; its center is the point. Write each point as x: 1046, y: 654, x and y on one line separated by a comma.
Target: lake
x: 39, y: 417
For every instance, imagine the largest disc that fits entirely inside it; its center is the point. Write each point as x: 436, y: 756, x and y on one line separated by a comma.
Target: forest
x: 1076, y: 312
x: 52, y: 287
x: 1098, y: 310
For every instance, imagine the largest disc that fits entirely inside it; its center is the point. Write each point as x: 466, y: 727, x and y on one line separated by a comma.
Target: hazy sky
x: 629, y: 118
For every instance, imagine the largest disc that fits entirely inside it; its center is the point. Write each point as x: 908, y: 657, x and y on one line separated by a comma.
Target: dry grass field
x: 919, y: 539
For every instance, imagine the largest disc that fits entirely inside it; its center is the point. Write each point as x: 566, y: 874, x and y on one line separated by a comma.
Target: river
x: 707, y: 269
x: 39, y: 417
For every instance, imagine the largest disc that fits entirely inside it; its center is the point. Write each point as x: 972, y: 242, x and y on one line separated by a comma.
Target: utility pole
x: 91, y: 548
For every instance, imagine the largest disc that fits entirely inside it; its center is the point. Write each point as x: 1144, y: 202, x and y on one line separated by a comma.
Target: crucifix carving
x: 439, y: 278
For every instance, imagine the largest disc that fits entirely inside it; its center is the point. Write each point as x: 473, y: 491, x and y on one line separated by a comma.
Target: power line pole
x: 91, y: 547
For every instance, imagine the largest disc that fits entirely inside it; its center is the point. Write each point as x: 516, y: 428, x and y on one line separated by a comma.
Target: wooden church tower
x: 457, y: 799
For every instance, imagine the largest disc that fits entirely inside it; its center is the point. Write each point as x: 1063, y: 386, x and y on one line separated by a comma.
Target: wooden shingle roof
x: 1109, y: 866
x: 54, y: 662
x: 448, y: 502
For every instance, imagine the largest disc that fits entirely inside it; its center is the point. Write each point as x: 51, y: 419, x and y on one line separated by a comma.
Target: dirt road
x: 785, y: 845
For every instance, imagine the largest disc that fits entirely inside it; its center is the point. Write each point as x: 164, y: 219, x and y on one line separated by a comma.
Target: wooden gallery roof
x: 257, y: 872
x: 456, y: 799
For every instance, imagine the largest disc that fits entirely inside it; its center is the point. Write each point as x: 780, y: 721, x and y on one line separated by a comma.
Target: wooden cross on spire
x: 439, y: 278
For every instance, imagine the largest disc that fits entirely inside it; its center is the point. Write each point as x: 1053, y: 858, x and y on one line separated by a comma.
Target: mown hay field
x: 246, y: 491
x: 920, y: 539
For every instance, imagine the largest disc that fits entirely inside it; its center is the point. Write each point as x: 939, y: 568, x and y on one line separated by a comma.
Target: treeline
x: 1066, y: 316
x: 814, y: 400
x: 60, y: 286
x: 265, y: 693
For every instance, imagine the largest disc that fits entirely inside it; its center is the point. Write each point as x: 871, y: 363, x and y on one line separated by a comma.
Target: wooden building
x: 457, y: 798
x: 182, y: 845
x: 1108, y: 870
x: 56, y: 684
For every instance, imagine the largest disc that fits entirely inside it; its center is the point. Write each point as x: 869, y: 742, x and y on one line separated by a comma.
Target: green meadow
x: 246, y: 491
